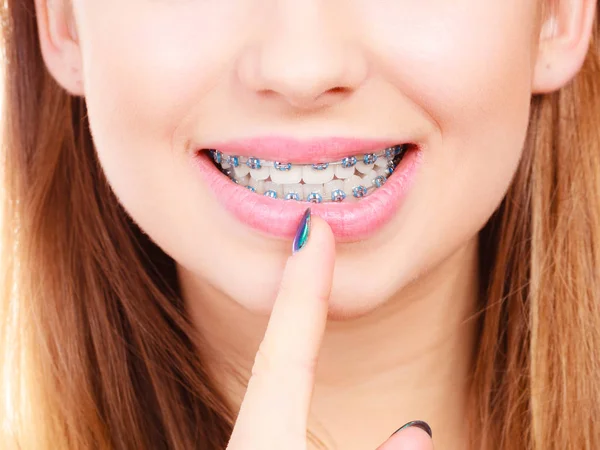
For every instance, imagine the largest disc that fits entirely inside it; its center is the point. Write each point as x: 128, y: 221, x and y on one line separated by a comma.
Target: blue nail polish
x: 302, y: 233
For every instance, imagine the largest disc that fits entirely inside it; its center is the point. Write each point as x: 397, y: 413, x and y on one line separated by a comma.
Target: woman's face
x: 303, y: 79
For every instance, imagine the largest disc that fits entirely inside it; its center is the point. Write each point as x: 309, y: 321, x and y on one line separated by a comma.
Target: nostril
x: 337, y: 90
x: 308, y: 101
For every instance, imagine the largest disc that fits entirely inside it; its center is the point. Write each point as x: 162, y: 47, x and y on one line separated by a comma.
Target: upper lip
x: 309, y: 151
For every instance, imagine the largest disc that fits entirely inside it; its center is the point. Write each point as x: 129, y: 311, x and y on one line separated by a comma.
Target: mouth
x: 357, y: 186
x: 348, y: 179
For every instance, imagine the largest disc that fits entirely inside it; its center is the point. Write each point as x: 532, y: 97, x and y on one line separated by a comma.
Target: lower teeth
x: 350, y: 179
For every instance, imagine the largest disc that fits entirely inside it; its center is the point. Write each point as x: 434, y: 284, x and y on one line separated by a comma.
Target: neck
x: 409, y: 359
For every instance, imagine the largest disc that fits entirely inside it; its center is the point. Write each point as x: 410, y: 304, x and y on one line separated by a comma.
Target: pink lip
x: 279, y: 218
x: 302, y: 152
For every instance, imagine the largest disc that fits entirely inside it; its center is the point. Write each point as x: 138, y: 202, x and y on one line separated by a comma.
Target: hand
x: 274, y: 412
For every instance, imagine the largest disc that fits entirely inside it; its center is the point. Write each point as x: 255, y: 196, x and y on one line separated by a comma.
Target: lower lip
x: 279, y: 218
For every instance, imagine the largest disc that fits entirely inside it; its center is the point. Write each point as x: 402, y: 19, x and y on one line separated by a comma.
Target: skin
x: 159, y: 75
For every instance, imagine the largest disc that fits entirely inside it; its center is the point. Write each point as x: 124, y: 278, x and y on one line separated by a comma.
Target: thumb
x: 415, y: 435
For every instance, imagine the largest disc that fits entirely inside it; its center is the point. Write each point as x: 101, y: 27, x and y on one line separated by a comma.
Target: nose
x: 303, y: 56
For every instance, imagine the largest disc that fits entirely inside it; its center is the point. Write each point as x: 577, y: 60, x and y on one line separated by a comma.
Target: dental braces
x: 393, y: 155
x: 347, y: 162
x: 337, y: 195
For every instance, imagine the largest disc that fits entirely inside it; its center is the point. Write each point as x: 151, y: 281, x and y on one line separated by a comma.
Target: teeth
x: 243, y: 181
x: 274, y: 187
x: 382, y: 171
x: 308, y: 189
x: 345, y: 180
x: 293, y: 175
x: 260, y: 174
x: 381, y: 162
x: 368, y: 178
x: 293, y: 189
x: 258, y: 185
x: 311, y: 175
x: 363, y: 168
x: 332, y: 186
x: 351, y: 183
x: 343, y: 172
x: 241, y: 171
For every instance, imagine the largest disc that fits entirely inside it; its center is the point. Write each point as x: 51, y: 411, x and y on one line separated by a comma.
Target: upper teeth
x: 350, y: 177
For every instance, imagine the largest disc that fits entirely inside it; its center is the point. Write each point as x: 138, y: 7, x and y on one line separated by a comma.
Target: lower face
x: 217, y: 124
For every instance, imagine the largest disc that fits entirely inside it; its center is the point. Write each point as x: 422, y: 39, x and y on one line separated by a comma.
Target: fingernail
x: 419, y: 424
x: 302, y: 233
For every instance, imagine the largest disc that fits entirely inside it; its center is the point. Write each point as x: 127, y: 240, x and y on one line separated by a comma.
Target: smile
x: 348, y: 179
x: 267, y: 183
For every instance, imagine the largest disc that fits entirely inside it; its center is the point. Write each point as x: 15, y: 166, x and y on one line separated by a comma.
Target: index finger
x: 277, y: 399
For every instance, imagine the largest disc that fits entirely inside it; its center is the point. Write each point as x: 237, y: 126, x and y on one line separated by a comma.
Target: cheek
x: 468, y: 67
x: 150, y: 71
x: 148, y: 67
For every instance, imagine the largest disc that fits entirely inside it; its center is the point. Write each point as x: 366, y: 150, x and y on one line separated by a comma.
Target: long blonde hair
x: 97, y: 351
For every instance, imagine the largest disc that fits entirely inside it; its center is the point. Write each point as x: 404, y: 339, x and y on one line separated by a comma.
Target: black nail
x: 419, y: 424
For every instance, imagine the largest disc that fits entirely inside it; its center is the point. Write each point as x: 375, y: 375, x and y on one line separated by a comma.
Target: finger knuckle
x: 286, y: 288
x: 281, y: 363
